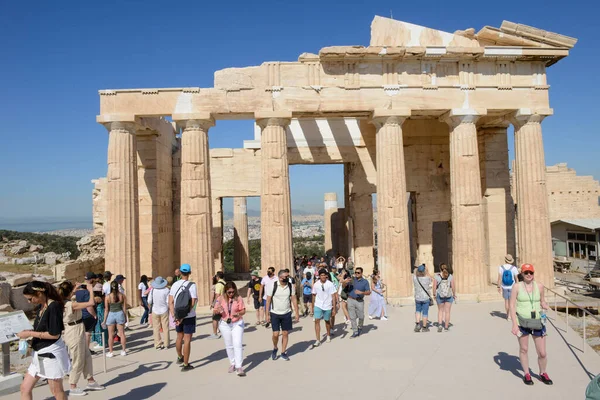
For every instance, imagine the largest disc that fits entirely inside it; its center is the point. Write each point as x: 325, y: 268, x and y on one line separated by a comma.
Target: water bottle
x: 543, y: 317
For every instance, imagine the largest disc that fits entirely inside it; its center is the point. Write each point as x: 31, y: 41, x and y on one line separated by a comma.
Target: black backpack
x: 183, y: 301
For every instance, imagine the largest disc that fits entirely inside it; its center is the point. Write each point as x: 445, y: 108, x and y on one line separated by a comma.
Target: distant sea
x: 44, y: 224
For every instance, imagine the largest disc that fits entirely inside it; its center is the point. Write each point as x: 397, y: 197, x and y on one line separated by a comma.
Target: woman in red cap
x: 526, y: 303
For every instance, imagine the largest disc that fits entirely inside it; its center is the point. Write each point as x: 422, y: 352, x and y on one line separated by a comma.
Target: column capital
x: 199, y: 120
x: 524, y: 116
x: 273, y: 118
x: 127, y: 122
x: 457, y: 116
x: 383, y: 116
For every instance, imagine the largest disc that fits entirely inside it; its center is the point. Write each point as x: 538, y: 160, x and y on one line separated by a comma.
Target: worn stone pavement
x: 476, y: 359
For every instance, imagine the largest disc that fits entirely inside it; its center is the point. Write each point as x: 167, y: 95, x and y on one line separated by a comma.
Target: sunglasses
x: 357, y: 273
x: 230, y: 292
x: 527, y: 273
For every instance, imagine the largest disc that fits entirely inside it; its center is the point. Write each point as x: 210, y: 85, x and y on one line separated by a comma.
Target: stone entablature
x: 571, y: 196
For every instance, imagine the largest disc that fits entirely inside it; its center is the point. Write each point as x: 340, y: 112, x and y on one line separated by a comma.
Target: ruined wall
x: 570, y: 195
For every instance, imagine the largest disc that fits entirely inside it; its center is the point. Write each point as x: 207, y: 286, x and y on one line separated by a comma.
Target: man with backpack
x: 507, y: 276
x: 182, y: 305
x: 281, y: 296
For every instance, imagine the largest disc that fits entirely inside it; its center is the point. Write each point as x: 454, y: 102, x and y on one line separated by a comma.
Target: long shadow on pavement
x: 217, y: 355
x: 140, y: 370
x: 508, y: 362
x: 255, y: 359
x: 498, y: 314
x: 143, y: 392
x: 299, y: 347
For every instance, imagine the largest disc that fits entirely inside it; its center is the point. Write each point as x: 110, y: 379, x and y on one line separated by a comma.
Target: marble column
x: 533, y: 222
x: 196, y: 212
x: 122, y: 212
x: 240, y: 235
x: 275, y: 203
x: 393, y: 243
x: 331, y: 207
x: 217, y: 232
x: 468, y: 259
x: 360, y: 210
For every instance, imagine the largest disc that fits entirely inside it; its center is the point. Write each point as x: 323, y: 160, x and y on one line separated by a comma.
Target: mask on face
x: 285, y: 280
x: 270, y: 273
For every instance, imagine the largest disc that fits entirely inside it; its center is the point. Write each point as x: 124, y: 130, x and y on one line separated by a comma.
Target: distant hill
x: 256, y: 213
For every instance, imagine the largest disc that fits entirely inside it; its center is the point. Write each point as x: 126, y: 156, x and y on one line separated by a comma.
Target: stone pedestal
x: 217, y: 233
x: 240, y: 235
x: 331, y: 206
x: 393, y: 243
x: 275, y: 204
x: 468, y: 263
x: 533, y: 224
x: 360, y: 217
x: 196, y: 214
x: 122, y: 229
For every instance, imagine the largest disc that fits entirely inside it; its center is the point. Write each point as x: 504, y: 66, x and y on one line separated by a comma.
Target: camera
x: 228, y: 320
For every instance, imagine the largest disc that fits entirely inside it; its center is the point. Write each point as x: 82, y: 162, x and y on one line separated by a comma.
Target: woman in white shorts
x: 50, y: 357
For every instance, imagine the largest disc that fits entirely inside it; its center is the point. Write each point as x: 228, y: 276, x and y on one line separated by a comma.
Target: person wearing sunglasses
x: 356, y: 296
x: 324, y: 296
x: 231, y: 308
x: 526, y: 303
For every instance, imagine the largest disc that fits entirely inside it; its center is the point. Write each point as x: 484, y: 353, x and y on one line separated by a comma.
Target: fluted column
x: 468, y: 262
x: 331, y: 206
x: 393, y: 245
x: 196, y: 212
x: 275, y: 205
x: 217, y: 233
x: 240, y: 235
x: 533, y: 222
x: 122, y: 213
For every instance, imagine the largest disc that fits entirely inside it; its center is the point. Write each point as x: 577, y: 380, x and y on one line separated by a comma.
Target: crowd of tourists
x: 73, y: 316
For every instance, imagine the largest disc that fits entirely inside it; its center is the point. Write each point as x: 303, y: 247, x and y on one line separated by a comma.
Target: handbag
x: 430, y: 299
x: 530, y: 323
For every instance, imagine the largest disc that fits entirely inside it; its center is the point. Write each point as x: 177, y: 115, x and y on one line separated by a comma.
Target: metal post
x: 584, y: 341
x: 104, y: 343
x: 555, y: 306
x: 567, y: 310
x: 5, y: 359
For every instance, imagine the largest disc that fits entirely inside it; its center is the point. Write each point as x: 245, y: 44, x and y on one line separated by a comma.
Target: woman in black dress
x: 50, y: 357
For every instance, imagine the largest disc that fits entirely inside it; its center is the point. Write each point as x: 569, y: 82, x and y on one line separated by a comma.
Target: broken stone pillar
x: 196, y: 214
x: 331, y: 206
x: 468, y: 265
x: 241, y: 249
x: 360, y: 210
x: 339, y: 231
x: 275, y: 205
x: 533, y: 223
x: 498, y: 207
x: 217, y: 233
x: 122, y: 228
x: 393, y: 242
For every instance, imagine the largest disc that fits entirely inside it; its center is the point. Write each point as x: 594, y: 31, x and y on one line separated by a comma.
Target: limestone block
x: 18, y: 280
x: 50, y: 258
x: 18, y: 249
x: 240, y: 78
x: 5, y: 260
x: 5, y: 289
x: 35, y: 247
x: 23, y: 243
x: 18, y: 301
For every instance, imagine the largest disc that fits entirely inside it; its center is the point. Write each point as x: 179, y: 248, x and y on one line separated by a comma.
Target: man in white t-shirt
x: 324, y: 296
x: 106, y: 286
x: 186, y: 327
x: 309, y: 268
x: 266, y: 284
x: 507, y: 276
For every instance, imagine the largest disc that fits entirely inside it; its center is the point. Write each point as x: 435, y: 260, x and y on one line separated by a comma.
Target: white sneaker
x: 384, y: 318
x: 328, y: 339
x: 347, y: 322
x: 370, y: 317
x: 94, y: 386
x: 123, y: 353
x: 77, y: 392
x: 109, y: 354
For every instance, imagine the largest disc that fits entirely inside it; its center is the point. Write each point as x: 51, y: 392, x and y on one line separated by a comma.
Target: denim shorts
x: 115, y: 318
x: 506, y: 293
x: 423, y: 307
x: 442, y: 300
x: 322, y: 314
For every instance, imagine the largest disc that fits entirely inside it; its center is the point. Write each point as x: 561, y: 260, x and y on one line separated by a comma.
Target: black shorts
x: 307, y: 298
x: 216, y: 317
x: 281, y: 322
x: 257, y: 303
x: 89, y: 323
x: 187, y: 326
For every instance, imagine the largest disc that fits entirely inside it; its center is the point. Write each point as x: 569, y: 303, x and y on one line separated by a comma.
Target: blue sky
x: 57, y: 55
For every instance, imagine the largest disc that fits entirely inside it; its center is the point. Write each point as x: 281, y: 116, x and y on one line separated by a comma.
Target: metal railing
x: 585, y: 312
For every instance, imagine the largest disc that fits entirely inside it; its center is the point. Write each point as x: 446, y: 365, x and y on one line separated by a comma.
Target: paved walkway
x: 476, y: 359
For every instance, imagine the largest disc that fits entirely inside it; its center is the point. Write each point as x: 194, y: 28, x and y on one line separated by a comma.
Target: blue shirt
x: 306, y: 289
x: 83, y: 296
x: 359, y: 284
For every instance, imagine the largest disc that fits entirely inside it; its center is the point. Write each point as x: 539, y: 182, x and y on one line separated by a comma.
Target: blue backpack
x: 507, y: 277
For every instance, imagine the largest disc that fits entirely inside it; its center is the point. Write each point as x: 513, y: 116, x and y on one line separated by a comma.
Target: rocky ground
x: 70, y: 232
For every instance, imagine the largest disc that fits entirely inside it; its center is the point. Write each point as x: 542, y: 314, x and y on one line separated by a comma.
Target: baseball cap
x: 107, y: 274
x: 120, y: 278
x: 421, y: 268
x: 527, y: 267
x: 90, y: 275
x: 185, y: 268
x: 255, y: 273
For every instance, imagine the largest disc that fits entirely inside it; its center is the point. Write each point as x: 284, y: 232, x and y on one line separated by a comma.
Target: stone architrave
x: 393, y: 243
x: 533, y: 222
x: 468, y: 263
x: 122, y: 213
x: 275, y: 202
x: 241, y: 249
x: 196, y: 213
x: 331, y: 207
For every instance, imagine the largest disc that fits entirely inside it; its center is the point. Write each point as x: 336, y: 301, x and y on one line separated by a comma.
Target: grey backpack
x: 183, y: 301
